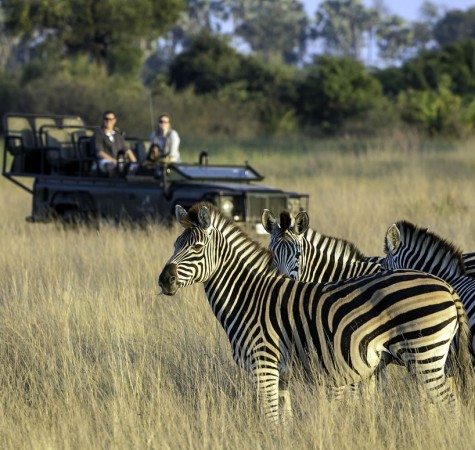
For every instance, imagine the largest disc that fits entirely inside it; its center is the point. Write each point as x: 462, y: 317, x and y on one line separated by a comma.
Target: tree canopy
x: 333, y: 71
x: 336, y: 89
x: 89, y: 26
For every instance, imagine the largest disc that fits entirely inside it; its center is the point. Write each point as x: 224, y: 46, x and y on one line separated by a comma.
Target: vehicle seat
x: 60, y: 152
x: 21, y: 132
x: 40, y: 123
x: 21, y: 143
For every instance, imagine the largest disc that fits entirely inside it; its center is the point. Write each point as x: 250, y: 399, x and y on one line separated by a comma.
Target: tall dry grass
x: 92, y: 357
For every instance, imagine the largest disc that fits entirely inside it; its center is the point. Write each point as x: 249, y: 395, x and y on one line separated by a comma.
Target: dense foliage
x: 83, y: 57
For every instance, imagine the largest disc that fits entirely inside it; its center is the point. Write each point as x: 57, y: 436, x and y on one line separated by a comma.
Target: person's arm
x: 174, y: 146
x: 125, y: 147
x: 131, y: 155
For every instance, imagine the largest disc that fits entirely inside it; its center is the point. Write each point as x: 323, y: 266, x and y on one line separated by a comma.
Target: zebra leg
x: 336, y: 393
x: 430, y: 373
x: 285, y: 404
x: 379, y: 380
x: 266, y: 380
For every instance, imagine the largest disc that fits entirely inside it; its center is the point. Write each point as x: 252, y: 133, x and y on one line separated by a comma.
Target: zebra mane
x: 285, y: 221
x: 412, y: 232
x: 228, y: 227
x: 342, y: 248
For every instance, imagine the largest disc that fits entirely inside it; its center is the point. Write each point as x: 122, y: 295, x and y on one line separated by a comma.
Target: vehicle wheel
x: 72, y: 217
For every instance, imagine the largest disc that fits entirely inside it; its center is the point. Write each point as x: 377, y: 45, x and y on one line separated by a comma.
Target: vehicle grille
x: 256, y: 203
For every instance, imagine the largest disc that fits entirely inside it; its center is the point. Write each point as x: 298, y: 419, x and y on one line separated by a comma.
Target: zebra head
x: 408, y: 246
x: 286, y: 240
x: 193, y: 259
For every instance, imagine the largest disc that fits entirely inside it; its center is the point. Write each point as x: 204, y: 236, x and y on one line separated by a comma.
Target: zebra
x: 411, y: 247
x: 468, y: 260
x: 344, y: 328
x: 306, y: 255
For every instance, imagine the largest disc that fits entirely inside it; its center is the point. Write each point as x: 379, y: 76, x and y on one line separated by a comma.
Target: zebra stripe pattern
x: 345, y: 328
x: 306, y: 255
x: 410, y: 247
x: 467, y: 258
x: 469, y: 264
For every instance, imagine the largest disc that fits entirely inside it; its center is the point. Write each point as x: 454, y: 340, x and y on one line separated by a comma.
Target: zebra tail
x: 465, y: 353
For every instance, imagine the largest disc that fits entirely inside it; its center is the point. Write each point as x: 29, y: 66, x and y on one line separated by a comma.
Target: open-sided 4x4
x: 55, y: 151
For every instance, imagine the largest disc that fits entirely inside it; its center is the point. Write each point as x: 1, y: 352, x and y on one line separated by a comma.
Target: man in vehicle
x: 110, y: 146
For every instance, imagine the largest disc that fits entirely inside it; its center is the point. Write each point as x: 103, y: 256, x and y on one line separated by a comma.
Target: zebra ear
x: 204, y: 217
x: 393, y: 238
x: 268, y: 221
x: 181, y: 214
x: 301, y: 222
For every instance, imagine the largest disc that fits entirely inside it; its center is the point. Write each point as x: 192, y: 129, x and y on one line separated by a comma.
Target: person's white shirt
x: 168, y: 143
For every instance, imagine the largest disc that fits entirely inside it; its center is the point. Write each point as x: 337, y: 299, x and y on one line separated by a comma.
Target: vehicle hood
x: 227, y: 186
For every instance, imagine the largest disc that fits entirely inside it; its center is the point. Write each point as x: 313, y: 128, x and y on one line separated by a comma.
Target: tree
x: 208, y: 64
x: 89, y: 26
x: 392, y: 80
x: 343, y: 25
x: 457, y: 60
x: 275, y: 29
x: 395, y: 38
x: 455, y: 26
x: 334, y: 90
x: 423, y: 29
x: 212, y: 67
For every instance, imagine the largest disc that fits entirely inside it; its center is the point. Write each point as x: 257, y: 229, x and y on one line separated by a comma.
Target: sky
x: 408, y: 9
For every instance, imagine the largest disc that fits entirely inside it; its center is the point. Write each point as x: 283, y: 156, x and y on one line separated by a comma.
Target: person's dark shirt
x: 110, y: 144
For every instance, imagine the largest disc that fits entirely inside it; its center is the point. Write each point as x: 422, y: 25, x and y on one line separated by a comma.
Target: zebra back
x: 469, y: 264
x: 302, y: 253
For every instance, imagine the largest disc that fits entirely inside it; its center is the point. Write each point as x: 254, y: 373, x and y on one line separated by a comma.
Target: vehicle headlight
x: 226, y: 205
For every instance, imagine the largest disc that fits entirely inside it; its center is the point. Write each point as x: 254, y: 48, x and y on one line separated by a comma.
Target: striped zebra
x: 468, y: 260
x: 302, y: 253
x: 343, y: 329
x: 306, y: 255
x: 410, y: 247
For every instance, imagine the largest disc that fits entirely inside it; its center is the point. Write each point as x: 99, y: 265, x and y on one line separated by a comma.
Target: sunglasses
x: 163, y: 121
x: 109, y: 118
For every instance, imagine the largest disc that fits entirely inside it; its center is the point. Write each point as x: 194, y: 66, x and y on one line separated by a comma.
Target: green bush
x: 435, y: 111
x: 211, y: 67
x: 335, y: 90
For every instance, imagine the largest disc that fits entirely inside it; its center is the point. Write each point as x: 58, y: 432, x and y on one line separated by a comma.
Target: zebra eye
x: 198, y: 246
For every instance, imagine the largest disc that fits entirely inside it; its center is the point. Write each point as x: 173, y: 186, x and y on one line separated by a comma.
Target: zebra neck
x: 336, y: 247
x: 242, y: 264
x: 325, y: 259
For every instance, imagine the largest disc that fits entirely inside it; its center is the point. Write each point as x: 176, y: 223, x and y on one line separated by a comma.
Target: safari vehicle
x: 54, y: 151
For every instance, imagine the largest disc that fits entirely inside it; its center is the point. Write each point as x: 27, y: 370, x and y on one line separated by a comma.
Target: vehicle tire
x: 72, y: 217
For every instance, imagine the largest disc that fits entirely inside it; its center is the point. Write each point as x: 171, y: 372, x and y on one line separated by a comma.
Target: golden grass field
x: 91, y: 357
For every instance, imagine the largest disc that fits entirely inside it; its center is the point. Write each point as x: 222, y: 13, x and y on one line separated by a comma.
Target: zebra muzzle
x: 168, y: 279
